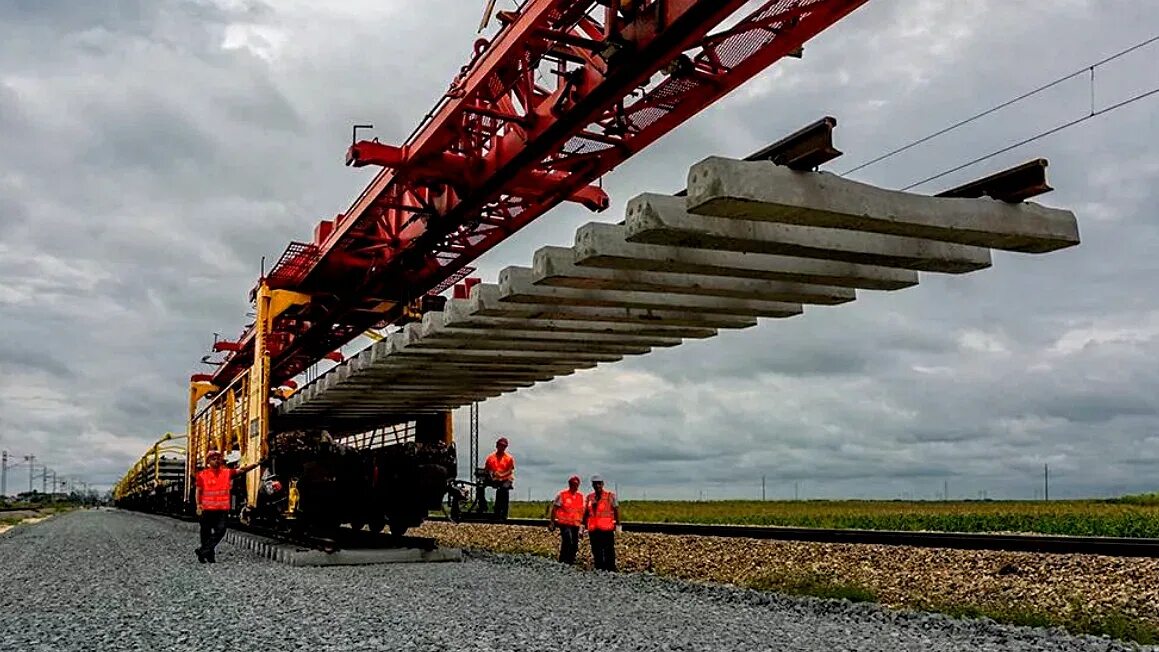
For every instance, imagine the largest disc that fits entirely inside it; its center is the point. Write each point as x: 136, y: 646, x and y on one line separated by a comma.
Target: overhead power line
x: 1090, y: 70
x: 1038, y: 136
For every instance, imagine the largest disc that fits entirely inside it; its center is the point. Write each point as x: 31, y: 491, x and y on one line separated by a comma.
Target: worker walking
x: 567, y: 511
x: 500, y: 468
x: 213, y: 502
x: 602, y: 517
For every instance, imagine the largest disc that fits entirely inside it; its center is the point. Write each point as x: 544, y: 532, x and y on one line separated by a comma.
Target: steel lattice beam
x: 564, y: 93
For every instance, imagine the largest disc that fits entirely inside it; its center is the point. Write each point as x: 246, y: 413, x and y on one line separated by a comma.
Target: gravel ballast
x: 105, y: 580
x: 898, y: 576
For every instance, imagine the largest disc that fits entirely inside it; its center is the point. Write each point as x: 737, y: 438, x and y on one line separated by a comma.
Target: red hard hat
x: 574, y: 478
x: 501, y: 440
x: 212, y: 453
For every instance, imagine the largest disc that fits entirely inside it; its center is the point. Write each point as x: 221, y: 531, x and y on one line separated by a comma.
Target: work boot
x: 211, y: 557
x: 200, y: 555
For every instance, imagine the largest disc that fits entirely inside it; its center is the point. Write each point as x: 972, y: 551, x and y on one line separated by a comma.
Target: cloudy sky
x: 152, y: 151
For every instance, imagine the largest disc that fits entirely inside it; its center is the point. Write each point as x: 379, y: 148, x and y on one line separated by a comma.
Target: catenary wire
x: 1087, y: 69
x: 1035, y: 137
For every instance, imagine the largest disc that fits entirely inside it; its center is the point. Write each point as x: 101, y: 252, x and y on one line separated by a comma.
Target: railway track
x: 344, y: 539
x: 1108, y: 546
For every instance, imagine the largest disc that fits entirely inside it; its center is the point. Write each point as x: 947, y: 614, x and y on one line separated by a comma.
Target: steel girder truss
x: 566, y: 91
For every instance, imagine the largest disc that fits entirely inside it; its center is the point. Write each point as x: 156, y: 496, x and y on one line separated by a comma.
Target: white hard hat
x: 232, y: 457
x: 597, y: 478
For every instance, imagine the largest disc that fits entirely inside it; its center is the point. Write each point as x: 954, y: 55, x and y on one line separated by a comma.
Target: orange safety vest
x: 600, y: 514
x: 570, y: 510
x: 215, y: 486
x: 504, y: 469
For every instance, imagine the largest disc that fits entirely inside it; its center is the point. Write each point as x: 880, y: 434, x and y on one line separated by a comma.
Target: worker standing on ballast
x: 213, y: 502
x: 567, y: 511
x: 500, y: 468
x: 602, y: 517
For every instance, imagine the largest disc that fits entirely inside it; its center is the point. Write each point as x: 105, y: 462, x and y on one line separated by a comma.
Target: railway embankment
x: 110, y: 580
x: 1088, y: 594
x: 10, y: 518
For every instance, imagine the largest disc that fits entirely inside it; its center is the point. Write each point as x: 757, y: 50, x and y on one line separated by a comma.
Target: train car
x: 311, y: 481
x: 387, y: 477
x: 156, y: 482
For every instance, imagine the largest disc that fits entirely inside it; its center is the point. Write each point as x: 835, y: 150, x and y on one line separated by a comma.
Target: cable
x: 1044, y: 134
x: 1088, y: 69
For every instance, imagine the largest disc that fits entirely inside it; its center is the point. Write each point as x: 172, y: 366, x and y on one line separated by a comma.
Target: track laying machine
x: 564, y: 92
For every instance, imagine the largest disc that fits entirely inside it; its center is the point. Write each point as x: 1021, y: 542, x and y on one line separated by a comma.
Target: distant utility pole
x: 945, y: 489
x: 31, y: 459
x: 762, y: 488
x: 1046, y: 481
x: 3, y: 473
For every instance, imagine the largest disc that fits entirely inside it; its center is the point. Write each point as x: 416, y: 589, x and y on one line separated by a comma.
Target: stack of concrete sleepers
x: 750, y: 240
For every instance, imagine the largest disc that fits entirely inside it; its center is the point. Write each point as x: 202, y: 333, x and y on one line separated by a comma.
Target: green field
x: 1129, y: 516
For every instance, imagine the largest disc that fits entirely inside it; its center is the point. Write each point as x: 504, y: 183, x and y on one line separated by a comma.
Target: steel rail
x: 346, y: 538
x: 1052, y: 544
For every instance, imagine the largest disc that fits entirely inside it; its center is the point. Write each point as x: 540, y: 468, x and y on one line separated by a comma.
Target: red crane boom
x: 566, y: 91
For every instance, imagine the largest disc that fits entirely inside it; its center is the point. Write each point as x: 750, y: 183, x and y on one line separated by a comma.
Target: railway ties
x: 749, y: 241
x: 349, y: 549
x: 342, y: 547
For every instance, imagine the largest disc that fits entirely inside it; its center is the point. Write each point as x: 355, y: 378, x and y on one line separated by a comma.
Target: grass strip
x: 1080, y: 620
x: 1127, y: 516
x: 812, y: 583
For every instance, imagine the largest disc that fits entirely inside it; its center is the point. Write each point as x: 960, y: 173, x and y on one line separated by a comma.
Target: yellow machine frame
x: 238, y: 415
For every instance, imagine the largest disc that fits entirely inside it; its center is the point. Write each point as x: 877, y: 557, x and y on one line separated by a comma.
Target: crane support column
x: 199, y: 387
x: 270, y: 304
x: 258, y: 399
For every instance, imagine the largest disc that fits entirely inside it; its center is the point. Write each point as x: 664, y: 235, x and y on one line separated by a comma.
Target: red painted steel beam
x: 536, y: 118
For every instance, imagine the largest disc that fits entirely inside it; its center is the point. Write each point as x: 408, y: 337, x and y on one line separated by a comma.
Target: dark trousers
x: 603, y: 549
x: 568, y: 543
x: 212, y: 529
x: 502, y: 497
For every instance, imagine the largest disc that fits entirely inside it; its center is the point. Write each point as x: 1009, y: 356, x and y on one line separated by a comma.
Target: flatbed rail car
x: 388, y: 477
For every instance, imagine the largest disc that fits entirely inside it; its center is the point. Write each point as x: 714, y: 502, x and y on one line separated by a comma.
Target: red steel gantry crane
x: 562, y: 94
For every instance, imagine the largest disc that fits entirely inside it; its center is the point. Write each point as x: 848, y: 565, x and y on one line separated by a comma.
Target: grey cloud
x: 123, y: 17
x: 143, y: 202
x: 151, y: 136
x: 12, y: 213
x: 16, y: 356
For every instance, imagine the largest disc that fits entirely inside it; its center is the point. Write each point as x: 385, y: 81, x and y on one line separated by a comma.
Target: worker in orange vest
x: 602, y: 517
x: 500, y: 468
x: 567, y: 511
x: 213, y: 486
